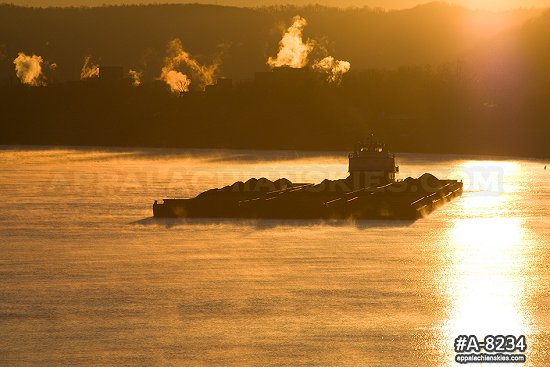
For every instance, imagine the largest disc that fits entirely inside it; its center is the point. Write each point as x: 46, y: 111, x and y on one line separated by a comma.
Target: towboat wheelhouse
x: 371, y: 163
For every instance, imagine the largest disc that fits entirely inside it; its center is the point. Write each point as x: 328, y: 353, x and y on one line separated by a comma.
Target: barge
x: 371, y: 191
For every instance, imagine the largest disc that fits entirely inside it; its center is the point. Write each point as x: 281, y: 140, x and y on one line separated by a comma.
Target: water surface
x: 87, y: 277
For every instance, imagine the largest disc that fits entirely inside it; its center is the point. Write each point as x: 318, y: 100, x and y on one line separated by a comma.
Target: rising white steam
x: 334, y: 69
x: 89, y: 69
x: 293, y: 51
x: 176, y: 60
x: 135, y: 76
x: 29, y: 69
x: 176, y: 80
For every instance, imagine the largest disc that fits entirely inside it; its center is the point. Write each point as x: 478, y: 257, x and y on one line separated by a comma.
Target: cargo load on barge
x: 371, y: 191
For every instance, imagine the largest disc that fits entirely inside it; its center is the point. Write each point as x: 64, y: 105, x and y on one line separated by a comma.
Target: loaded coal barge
x: 371, y: 191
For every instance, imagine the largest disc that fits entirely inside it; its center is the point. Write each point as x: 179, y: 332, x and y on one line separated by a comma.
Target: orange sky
x: 476, y: 4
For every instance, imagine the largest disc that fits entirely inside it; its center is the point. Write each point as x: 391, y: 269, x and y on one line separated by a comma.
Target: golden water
x: 88, y: 278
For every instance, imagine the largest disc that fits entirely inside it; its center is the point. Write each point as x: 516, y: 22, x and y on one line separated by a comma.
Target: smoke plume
x: 89, y: 69
x: 29, y: 69
x: 135, y: 76
x: 293, y: 51
x: 176, y: 60
x: 334, y: 69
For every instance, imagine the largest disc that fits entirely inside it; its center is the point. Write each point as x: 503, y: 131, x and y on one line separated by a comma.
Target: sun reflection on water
x: 486, y: 258
x: 486, y: 285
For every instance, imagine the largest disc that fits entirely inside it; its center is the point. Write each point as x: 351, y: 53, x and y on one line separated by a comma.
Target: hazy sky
x: 476, y: 4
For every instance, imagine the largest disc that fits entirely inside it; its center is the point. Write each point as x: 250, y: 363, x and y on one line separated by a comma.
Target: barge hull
x: 410, y: 199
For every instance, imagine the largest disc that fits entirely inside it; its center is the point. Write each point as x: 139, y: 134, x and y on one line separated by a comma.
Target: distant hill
x: 136, y: 36
x: 434, y: 78
x: 386, y: 4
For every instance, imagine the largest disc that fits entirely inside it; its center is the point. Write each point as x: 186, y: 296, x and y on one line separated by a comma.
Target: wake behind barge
x: 369, y: 192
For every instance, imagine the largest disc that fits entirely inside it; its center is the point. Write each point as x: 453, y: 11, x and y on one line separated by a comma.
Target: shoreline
x: 307, y: 152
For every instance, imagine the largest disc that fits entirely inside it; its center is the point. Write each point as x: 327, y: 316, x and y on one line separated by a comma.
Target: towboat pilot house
x: 372, y: 164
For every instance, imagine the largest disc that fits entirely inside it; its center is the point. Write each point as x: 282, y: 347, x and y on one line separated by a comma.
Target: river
x: 87, y: 277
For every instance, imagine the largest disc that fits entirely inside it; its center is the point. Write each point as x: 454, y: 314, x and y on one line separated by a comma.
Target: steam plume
x: 89, y: 69
x: 334, y: 69
x: 293, y: 51
x: 178, y: 58
x: 177, y: 81
x: 29, y: 69
x: 135, y: 76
